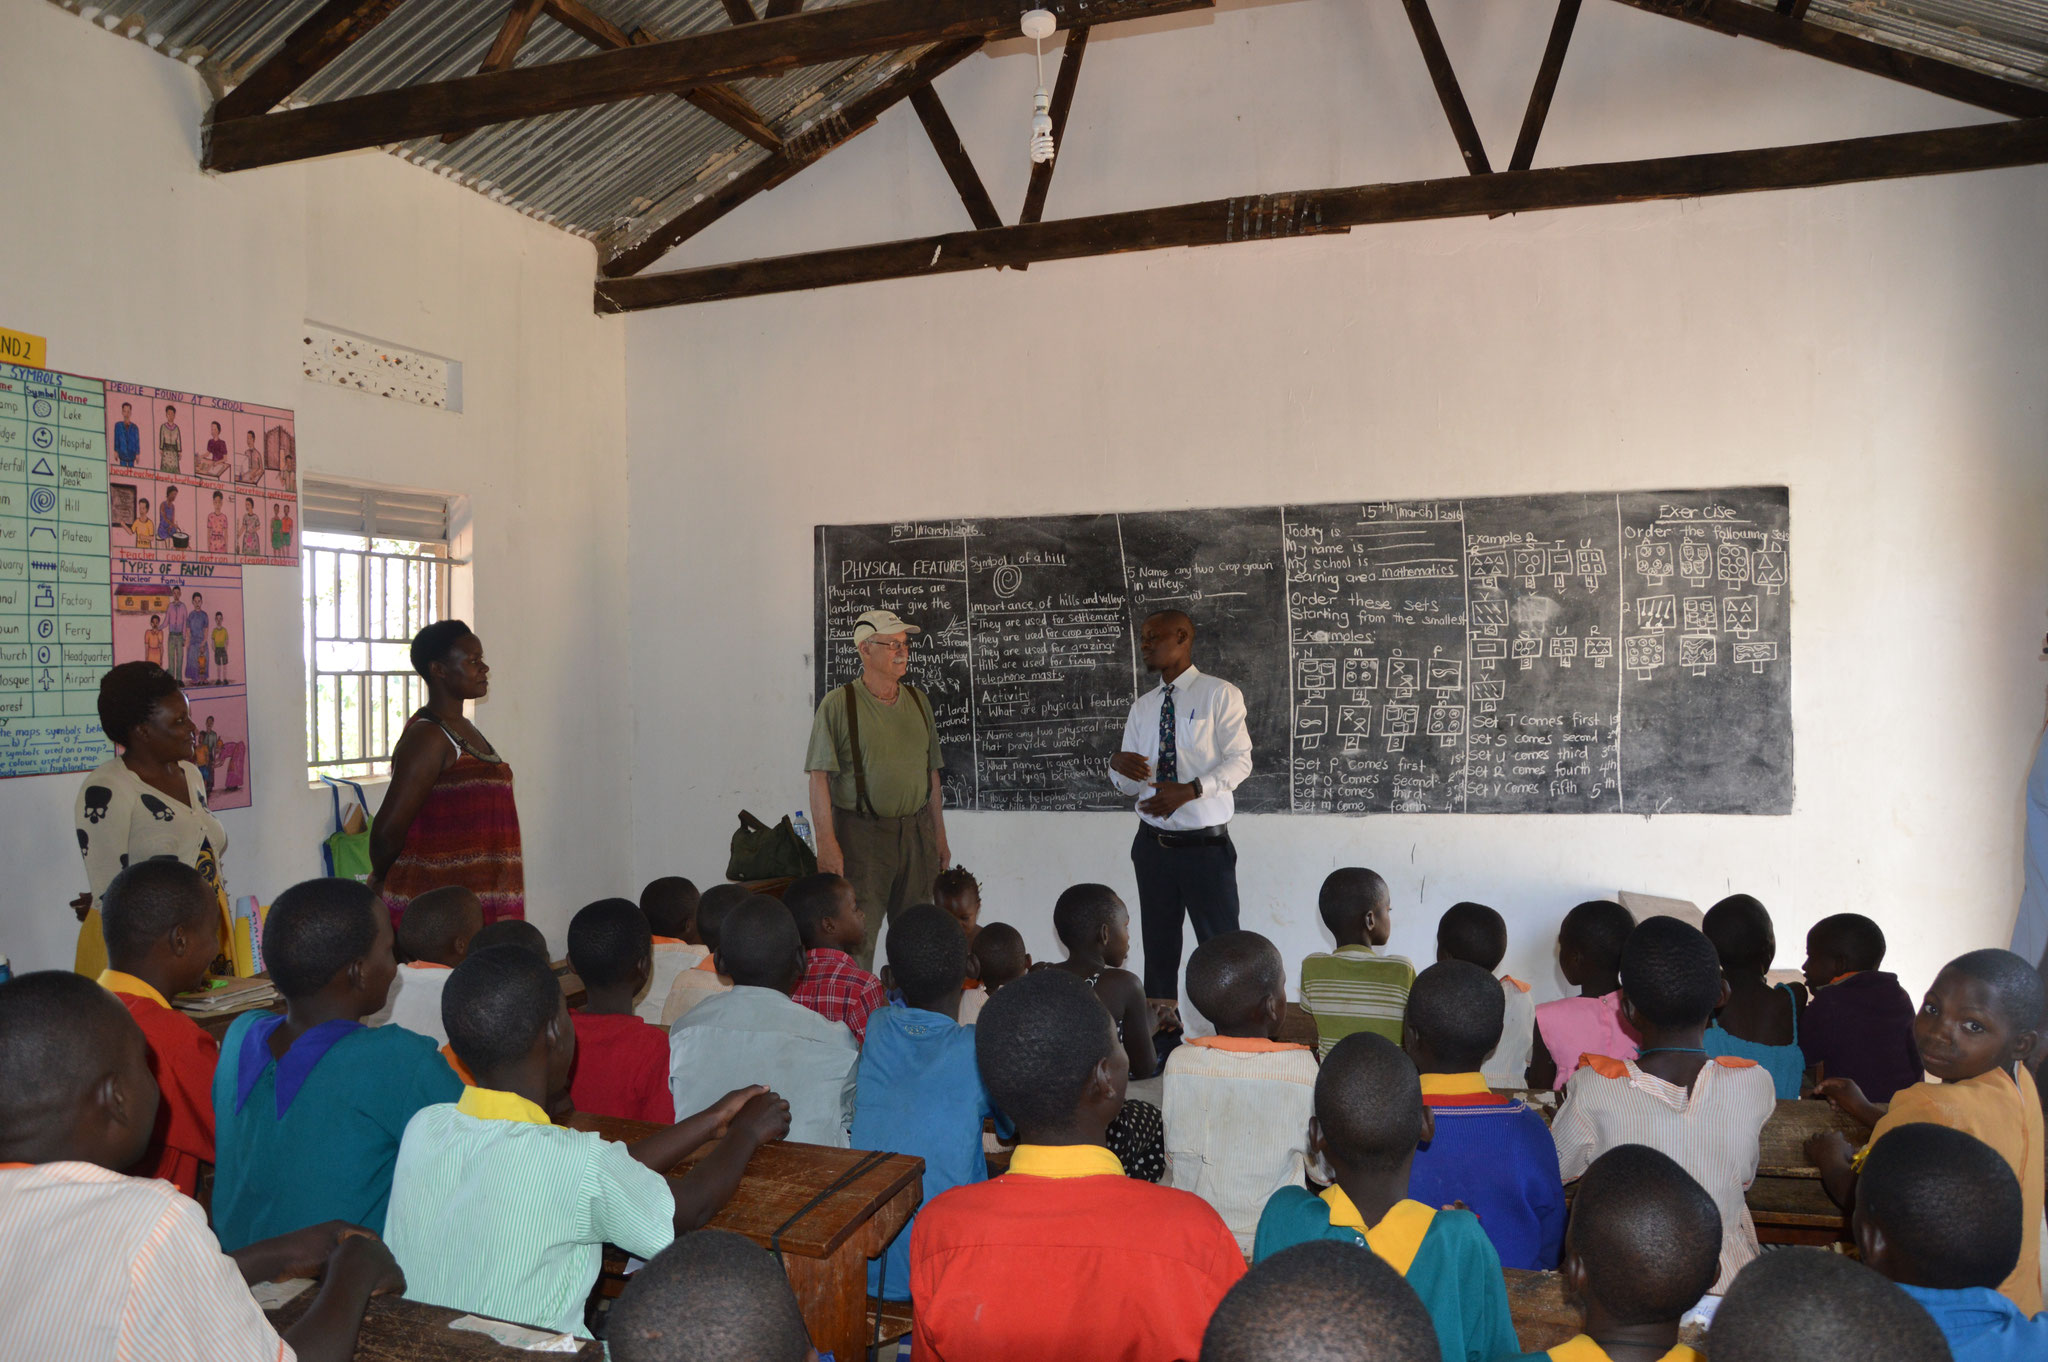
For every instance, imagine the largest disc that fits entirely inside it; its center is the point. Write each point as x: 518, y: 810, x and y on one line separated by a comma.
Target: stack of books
x: 227, y: 995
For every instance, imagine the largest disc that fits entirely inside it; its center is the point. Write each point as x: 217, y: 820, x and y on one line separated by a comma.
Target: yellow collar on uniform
x: 114, y: 981
x: 490, y: 1104
x: 1064, y: 1161
x: 1584, y: 1349
x: 1398, y: 1236
x: 1454, y: 1085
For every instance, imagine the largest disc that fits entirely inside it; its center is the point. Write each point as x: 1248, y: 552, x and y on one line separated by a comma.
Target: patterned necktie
x: 1169, y: 755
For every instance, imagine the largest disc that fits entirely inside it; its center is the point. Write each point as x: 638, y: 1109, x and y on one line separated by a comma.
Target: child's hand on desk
x: 302, y: 1253
x: 362, y: 1259
x: 763, y: 1118
x: 1848, y: 1098
x: 728, y: 1106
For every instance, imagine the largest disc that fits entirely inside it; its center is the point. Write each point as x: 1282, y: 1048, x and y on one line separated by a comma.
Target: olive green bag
x: 760, y: 852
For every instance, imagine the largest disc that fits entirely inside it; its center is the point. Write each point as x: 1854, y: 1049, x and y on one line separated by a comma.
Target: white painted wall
x: 1879, y: 348
x: 139, y: 267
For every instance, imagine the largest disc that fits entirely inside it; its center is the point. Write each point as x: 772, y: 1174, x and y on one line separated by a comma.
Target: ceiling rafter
x: 327, y: 33
x: 1546, y: 84
x: 1448, y: 92
x: 945, y: 140
x: 1062, y: 104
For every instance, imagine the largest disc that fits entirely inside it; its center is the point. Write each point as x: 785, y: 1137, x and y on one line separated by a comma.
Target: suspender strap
x: 861, y: 802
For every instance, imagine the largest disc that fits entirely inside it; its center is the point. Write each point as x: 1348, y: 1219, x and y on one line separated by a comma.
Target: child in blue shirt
x: 1940, y: 1213
x: 917, y: 1090
x: 309, y: 1107
x: 1491, y: 1153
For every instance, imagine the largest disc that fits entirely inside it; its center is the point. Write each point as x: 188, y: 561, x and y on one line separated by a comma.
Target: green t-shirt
x: 898, y: 746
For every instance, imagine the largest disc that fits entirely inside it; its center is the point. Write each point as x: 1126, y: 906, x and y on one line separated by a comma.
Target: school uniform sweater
x: 182, y: 1058
x: 1496, y: 1156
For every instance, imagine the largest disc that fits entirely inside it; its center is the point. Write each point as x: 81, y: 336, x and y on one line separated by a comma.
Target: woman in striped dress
x: 449, y: 815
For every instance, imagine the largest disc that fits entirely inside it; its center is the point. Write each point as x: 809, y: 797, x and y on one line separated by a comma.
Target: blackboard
x: 1605, y: 652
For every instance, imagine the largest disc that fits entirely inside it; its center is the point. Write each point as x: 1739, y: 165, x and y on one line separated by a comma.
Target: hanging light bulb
x: 1039, y: 25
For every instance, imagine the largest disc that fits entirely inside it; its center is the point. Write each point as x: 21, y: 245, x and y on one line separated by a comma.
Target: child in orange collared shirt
x: 1236, y: 1105
x: 162, y: 926
x: 670, y: 906
x: 703, y: 980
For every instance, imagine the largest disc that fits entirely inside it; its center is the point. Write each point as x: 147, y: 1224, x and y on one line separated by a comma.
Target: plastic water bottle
x: 802, y: 825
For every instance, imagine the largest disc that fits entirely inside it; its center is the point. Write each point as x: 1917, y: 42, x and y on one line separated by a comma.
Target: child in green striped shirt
x: 1355, y: 988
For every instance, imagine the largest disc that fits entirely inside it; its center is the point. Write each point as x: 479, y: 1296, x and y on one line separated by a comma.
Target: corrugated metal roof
x: 612, y: 171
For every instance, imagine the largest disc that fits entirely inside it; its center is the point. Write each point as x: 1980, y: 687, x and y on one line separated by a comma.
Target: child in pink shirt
x: 1589, y: 953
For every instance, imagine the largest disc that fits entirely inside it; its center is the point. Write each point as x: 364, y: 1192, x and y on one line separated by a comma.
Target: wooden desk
x: 573, y: 992
x: 826, y: 1251
x: 1782, y: 1145
x: 216, y: 1024
x: 398, y: 1330
x: 1543, y: 1316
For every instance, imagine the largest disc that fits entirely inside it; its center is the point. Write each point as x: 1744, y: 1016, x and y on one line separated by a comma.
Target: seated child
x: 1237, y: 1104
x: 1758, y: 1022
x: 1355, y: 988
x: 1976, y: 1031
x: 918, y: 1091
x: 702, y: 979
x: 513, y: 931
x: 1095, y: 928
x: 308, y: 1107
x: 1063, y: 1256
x: 1810, y: 1305
x: 756, y: 1319
x: 1001, y: 955
x: 1490, y: 1154
x: 959, y: 893
x: 832, y: 926
x: 433, y: 936
x: 1859, y: 1024
x: 1939, y: 1213
x: 161, y: 921
x: 755, y: 1033
x: 1705, y: 1113
x: 1476, y: 934
x: 621, y: 1064
x: 1643, y: 1249
x: 104, y: 1266
x: 1589, y: 956
x: 1369, y: 1119
x: 496, y: 1210
x: 670, y: 906
x: 1321, y: 1302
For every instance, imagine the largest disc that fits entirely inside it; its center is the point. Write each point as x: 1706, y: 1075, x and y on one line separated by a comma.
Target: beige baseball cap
x: 873, y: 622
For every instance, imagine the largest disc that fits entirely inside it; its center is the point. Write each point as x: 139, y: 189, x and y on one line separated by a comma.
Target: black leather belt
x: 1184, y: 838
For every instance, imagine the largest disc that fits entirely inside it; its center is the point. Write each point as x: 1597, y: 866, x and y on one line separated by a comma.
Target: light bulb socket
x: 1039, y: 24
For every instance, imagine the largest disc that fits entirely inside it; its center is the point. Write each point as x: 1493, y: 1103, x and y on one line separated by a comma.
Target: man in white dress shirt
x: 1185, y: 749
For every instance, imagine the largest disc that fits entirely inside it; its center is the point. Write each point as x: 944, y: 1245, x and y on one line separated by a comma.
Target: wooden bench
x: 398, y: 1330
x: 826, y: 1223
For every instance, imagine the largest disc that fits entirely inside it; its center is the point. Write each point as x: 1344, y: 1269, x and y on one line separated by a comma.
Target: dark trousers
x: 1198, y: 880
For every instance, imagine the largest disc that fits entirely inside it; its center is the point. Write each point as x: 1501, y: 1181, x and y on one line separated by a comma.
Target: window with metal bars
x: 377, y: 568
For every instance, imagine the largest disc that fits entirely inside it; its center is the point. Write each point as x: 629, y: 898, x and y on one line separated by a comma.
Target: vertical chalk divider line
x: 1287, y: 613
x: 967, y: 632
x: 1620, y: 647
x: 1123, y: 565
x: 1470, y: 678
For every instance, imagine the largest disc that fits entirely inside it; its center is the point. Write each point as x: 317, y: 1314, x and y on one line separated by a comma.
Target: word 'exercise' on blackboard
x: 1608, y: 652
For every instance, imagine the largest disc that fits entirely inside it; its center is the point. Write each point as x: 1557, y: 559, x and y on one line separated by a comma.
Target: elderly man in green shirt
x: 874, y: 763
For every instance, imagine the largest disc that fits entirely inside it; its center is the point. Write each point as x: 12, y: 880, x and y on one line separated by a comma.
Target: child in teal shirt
x: 309, y: 1107
x: 1369, y: 1119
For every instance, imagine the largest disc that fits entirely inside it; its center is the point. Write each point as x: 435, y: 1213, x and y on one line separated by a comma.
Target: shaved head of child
x: 1092, y: 917
x: 1455, y: 1014
x: 1369, y: 1111
x: 1670, y: 975
x: 1938, y: 1208
x: 513, y: 931
x: 1846, y: 943
x: 1356, y: 907
x: 1809, y: 1305
x: 1982, y: 1012
x: 717, y: 901
x: 1741, y: 930
x: 827, y: 913
x: 74, y: 1074
x: 330, y: 936
x: 1590, y: 939
x: 927, y: 949
x: 758, y: 946
x: 438, y: 926
x: 1238, y: 981
x: 670, y: 905
x: 1049, y: 1056
x: 999, y: 949
x: 1321, y: 1302
x: 1474, y: 933
x: 611, y: 946
x: 1644, y: 1243
x: 661, y: 1316
x: 161, y: 920
x: 504, y: 1013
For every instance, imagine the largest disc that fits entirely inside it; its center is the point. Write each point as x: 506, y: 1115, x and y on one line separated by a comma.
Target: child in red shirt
x: 833, y: 926
x: 621, y: 1066
x: 162, y: 925
x: 1116, y: 1267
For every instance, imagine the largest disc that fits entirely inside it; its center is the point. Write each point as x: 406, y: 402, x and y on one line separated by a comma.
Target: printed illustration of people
x: 197, y: 636
x: 252, y: 528
x: 127, y: 437
x: 153, y: 641
x: 206, y: 754
x: 167, y: 530
x: 170, y: 442
x: 252, y: 460
x: 217, y: 525
x: 220, y: 648
x: 216, y: 454
x: 144, y: 529
x: 280, y: 528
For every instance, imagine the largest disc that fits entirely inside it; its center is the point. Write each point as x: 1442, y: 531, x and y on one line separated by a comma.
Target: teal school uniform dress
x: 1444, y: 1255
x: 314, y: 1136
x: 1786, y: 1064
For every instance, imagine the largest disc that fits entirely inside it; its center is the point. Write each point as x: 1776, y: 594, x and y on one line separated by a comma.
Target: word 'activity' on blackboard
x: 1578, y: 653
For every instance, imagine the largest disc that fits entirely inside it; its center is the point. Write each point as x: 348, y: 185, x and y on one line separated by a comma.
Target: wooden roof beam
x: 1985, y: 146
x: 1791, y: 31
x: 1546, y: 84
x: 1062, y: 104
x: 766, y: 48
x: 327, y: 33
x: 511, y: 37
x: 1447, y: 91
x: 945, y: 138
